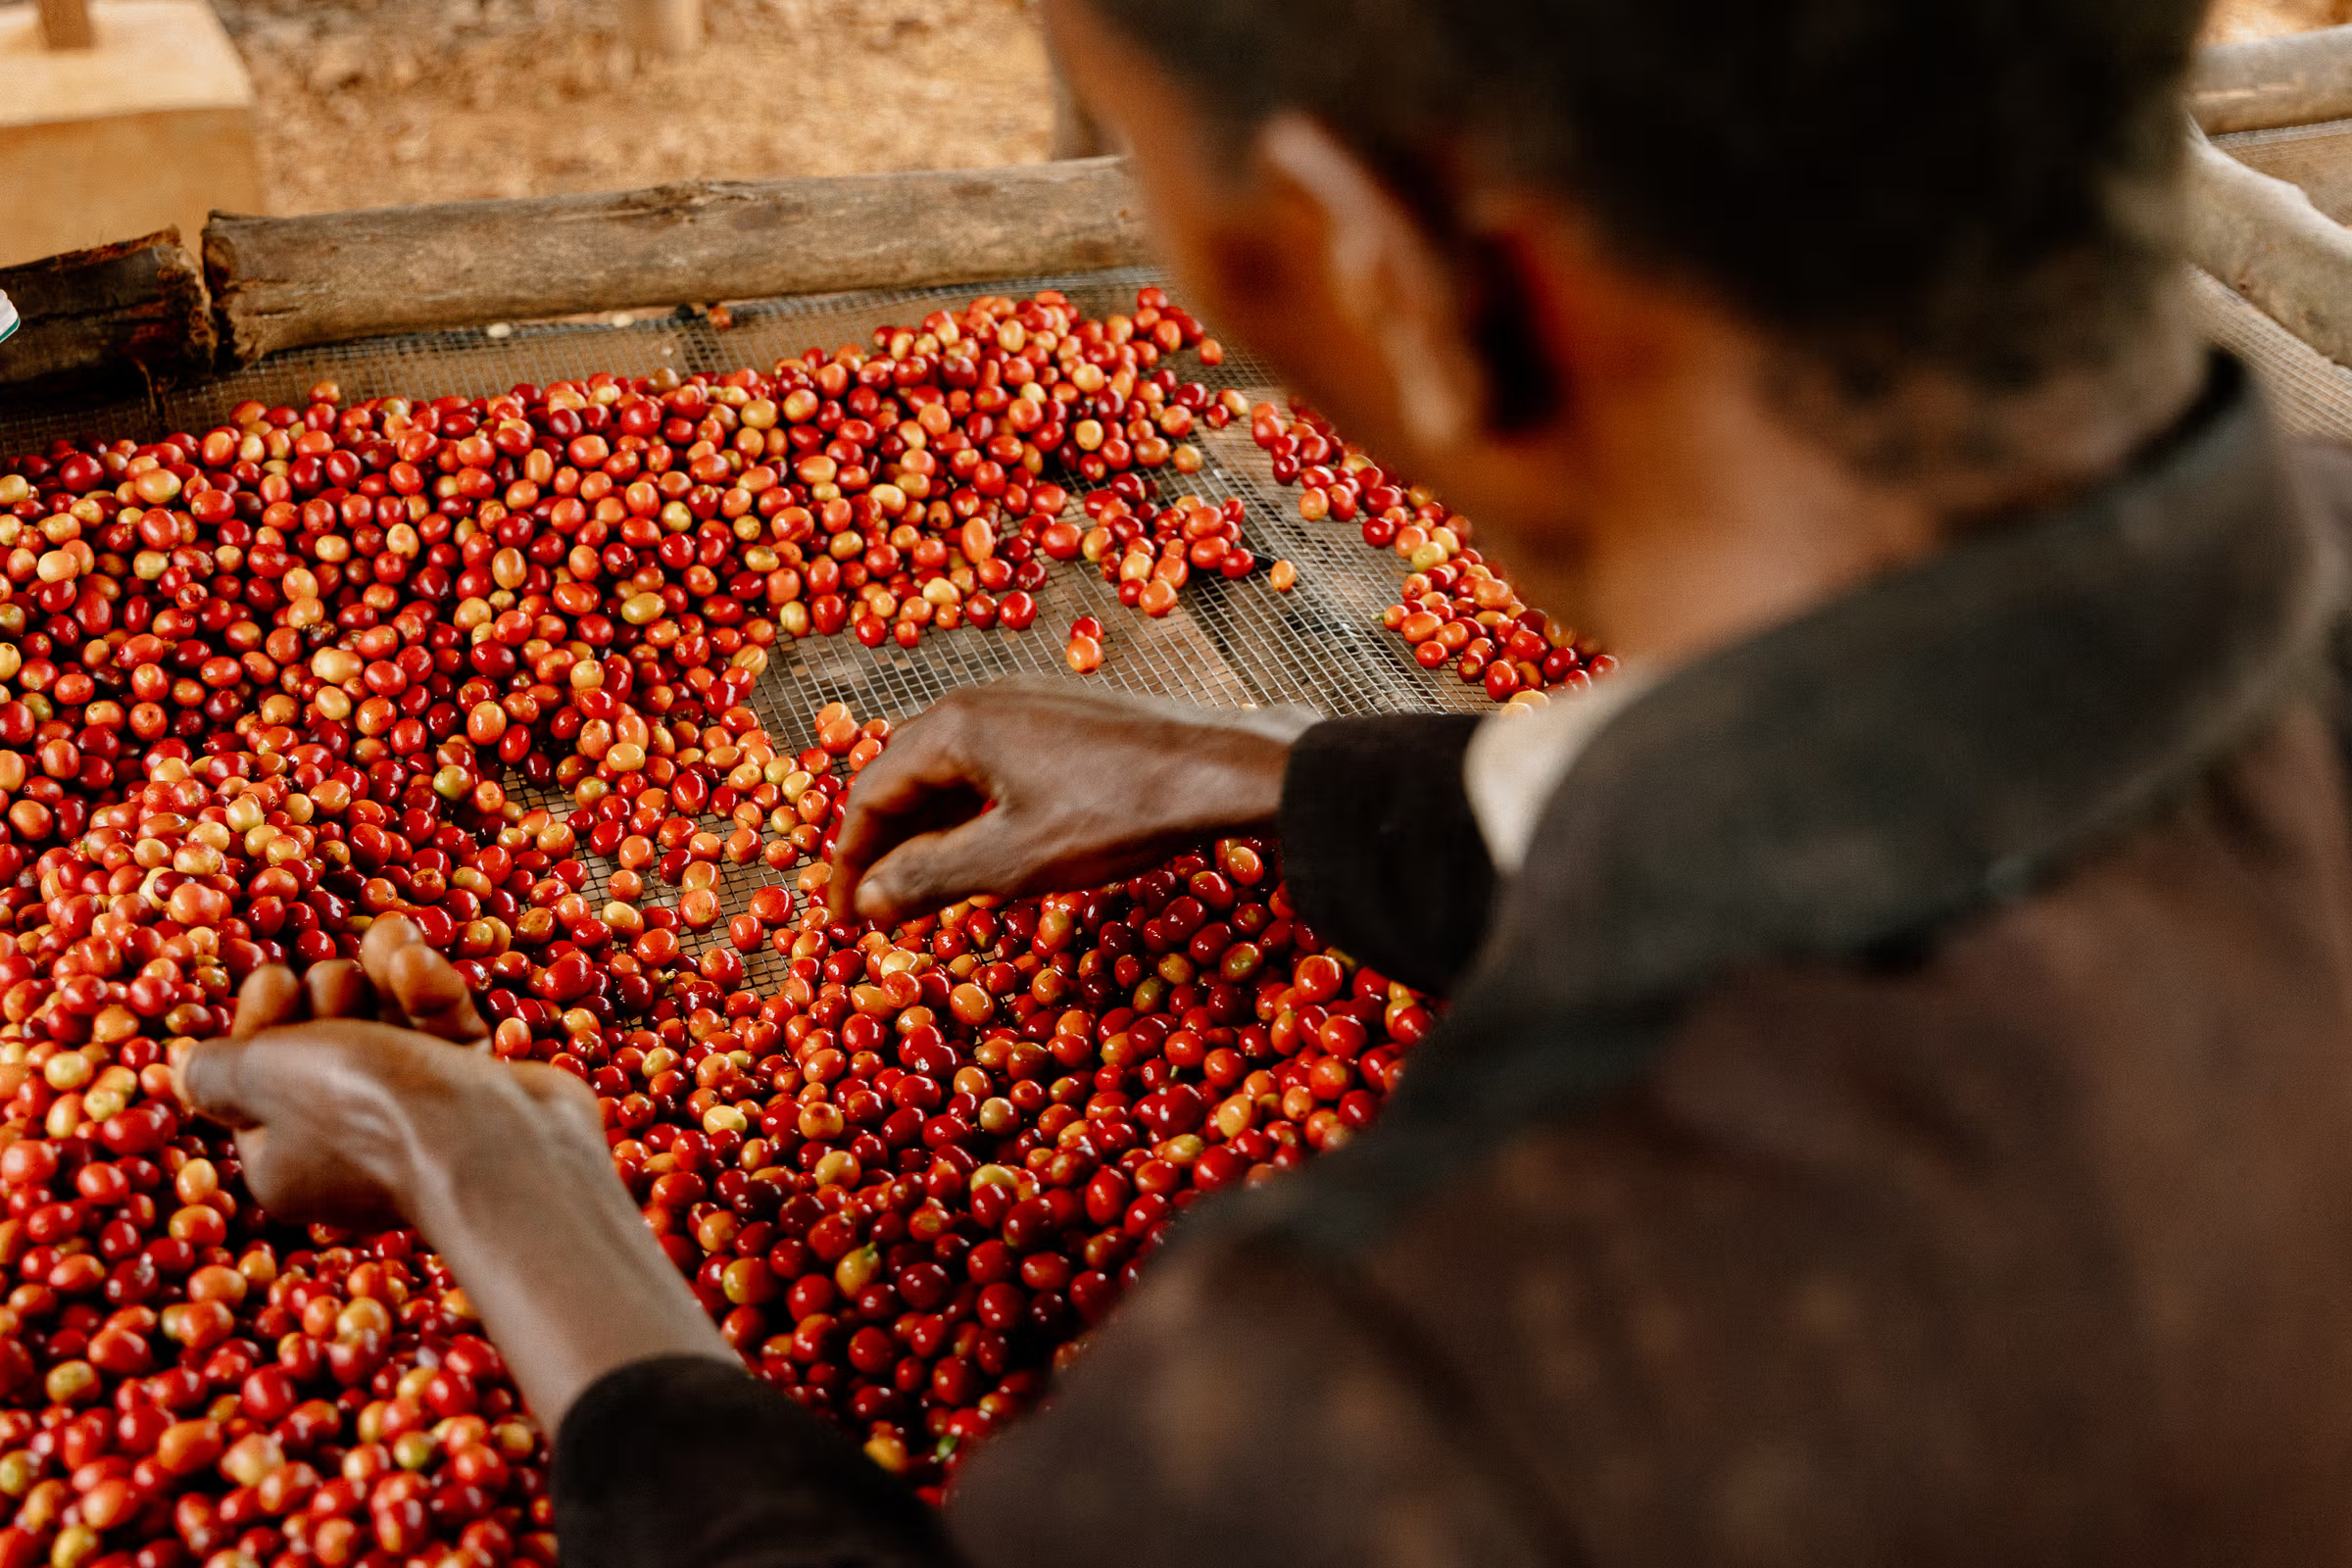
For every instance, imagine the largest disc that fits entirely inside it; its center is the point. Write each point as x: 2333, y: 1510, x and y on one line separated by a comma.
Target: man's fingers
x: 271, y: 995
x: 299, y: 1179
x: 933, y: 869
x: 915, y: 786
x: 417, y: 983
x: 386, y: 935
x: 943, y: 810
x: 257, y: 1157
x: 248, y: 1083
x: 337, y: 990
x: 428, y: 989
x: 387, y: 938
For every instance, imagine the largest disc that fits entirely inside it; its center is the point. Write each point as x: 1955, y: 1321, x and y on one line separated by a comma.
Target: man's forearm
x: 667, y: 1453
x: 557, y: 1259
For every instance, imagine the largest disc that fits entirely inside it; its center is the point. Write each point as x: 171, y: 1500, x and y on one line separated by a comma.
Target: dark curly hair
x: 1988, y: 184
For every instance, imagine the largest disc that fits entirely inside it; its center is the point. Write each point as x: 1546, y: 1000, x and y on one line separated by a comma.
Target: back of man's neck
x: 1786, y: 505
x: 1970, y: 457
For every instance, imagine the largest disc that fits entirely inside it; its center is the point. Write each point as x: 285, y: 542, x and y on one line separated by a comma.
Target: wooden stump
x: 109, y: 311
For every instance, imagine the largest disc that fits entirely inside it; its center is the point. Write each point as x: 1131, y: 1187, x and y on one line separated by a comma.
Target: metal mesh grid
x: 2318, y: 157
x: 2311, y: 393
x: 1229, y: 643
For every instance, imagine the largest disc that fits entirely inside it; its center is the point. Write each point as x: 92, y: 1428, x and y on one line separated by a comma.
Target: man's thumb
x: 207, y: 1081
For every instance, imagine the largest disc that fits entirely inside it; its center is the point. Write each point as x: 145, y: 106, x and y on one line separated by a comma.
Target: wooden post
x: 150, y: 128
x: 66, y: 24
x: 662, y: 29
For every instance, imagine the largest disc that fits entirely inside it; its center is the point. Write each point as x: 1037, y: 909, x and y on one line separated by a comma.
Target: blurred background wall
x: 372, y: 102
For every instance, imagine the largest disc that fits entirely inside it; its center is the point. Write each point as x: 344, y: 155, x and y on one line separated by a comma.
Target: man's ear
x: 1388, y: 280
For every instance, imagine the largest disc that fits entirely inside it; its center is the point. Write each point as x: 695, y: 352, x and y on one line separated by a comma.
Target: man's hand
x: 504, y: 1168
x: 358, y: 1123
x: 334, y: 1080
x: 1025, y: 786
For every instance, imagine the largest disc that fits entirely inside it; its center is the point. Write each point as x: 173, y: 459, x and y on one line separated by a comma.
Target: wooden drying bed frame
x: 272, y: 283
x: 2258, y: 235
x: 2297, y: 80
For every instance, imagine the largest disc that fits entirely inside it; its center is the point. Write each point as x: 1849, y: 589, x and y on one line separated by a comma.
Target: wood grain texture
x: 281, y: 283
x: 2265, y: 84
x: 139, y: 303
x: 2263, y: 238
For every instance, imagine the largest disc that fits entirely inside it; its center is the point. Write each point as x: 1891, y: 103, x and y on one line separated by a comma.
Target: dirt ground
x: 374, y: 102
x: 369, y: 102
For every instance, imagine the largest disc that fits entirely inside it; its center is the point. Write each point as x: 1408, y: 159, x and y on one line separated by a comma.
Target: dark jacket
x: 1901, y: 1113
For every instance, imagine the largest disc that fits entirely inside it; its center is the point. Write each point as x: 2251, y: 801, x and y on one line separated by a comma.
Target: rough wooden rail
x: 139, y: 303
x: 2262, y: 237
x: 285, y: 282
x: 2260, y: 85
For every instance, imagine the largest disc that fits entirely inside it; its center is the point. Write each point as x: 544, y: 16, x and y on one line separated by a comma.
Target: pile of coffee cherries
x: 261, y: 686
x: 1453, y: 609
x: 1151, y: 554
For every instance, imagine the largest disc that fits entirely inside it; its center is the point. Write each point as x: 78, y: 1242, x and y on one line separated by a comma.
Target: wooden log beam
x: 2317, y: 158
x: 139, y: 303
x: 2263, y: 239
x: 2260, y: 85
x: 285, y: 282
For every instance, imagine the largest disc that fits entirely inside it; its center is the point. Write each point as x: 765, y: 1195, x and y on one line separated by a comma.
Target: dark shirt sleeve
x: 1384, y: 856
x: 683, y: 1462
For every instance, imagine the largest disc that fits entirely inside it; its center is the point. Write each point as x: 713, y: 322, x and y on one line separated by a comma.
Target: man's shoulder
x: 1885, y: 1225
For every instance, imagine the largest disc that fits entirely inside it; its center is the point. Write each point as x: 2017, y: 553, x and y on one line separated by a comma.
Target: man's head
x: 1464, y: 226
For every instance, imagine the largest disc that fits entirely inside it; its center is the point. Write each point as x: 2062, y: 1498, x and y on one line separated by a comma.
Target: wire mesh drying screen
x: 2317, y: 158
x: 1230, y: 643
x: 2310, y: 392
